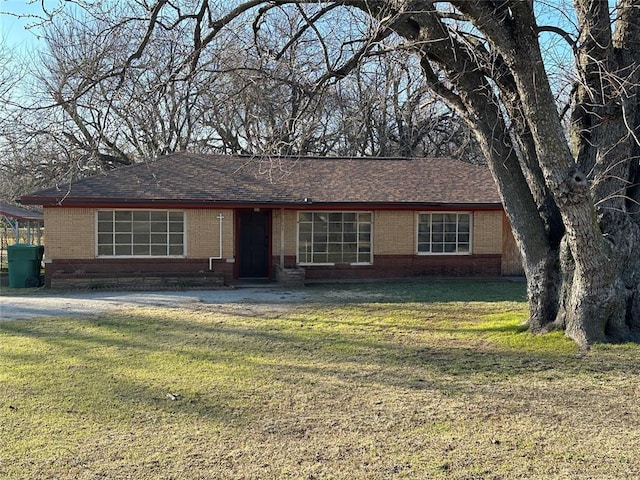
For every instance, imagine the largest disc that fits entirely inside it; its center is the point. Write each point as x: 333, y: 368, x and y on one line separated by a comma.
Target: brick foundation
x: 125, y: 272
x: 172, y: 273
x: 397, y: 266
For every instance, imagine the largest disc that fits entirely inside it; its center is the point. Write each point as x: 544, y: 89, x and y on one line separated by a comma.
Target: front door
x: 253, y: 243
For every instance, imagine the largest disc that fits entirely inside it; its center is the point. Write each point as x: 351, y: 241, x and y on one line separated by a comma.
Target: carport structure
x: 22, y: 219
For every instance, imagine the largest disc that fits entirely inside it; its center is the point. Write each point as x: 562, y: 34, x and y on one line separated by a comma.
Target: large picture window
x: 444, y: 233
x: 140, y: 233
x: 334, y: 237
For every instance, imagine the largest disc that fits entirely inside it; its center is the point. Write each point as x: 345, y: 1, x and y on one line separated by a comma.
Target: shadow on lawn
x: 218, y: 366
x: 426, y: 291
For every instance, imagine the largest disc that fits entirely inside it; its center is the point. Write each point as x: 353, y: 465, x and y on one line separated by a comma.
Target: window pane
x: 133, y: 233
x: 141, y: 249
x: 121, y: 215
x: 350, y: 257
x: 158, y: 217
x: 320, y: 247
x: 105, y: 239
x: 335, y: 227
x: 141, y: 238
x: 319, y: 237
x: 175, y: 227
x: 138, y: 227
x: 175, y: 239
x: 320, y: 226
x: 350, y: 237
x: 305, y: 227
x: 123, y: 249
x: 304, y: 257
x: 104, y: 227
x: 364, y: 258
x: 333, y: 237
x: 158, y: 227
x: 335, y: 257
x: 122, y: 238
x: 140, y: 216
x: 444, y: 232
x: 158, y: 250
x: 305, y: 237
x: 320, y: 258
x: 305, y: 217
x: 159, y: 238
x: 123, y: 226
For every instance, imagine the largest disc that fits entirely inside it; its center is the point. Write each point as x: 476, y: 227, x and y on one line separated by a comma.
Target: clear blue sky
x: 13, y: 29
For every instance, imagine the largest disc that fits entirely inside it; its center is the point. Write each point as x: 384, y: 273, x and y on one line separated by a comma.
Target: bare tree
x: 572, y: 205
x: 572, y: 197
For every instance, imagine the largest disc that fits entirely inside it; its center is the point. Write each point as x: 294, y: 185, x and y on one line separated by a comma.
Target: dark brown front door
x: 253, y: 244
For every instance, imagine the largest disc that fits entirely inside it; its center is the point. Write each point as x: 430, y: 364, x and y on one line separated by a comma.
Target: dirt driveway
x: 43, y: 304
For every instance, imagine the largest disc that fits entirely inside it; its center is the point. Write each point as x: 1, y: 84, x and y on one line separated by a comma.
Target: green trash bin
x: 24, y: 265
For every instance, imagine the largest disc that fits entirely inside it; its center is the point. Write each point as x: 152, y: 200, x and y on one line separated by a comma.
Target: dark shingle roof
x: 184, y: 178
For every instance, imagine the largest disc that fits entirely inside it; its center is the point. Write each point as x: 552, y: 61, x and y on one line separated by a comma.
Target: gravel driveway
x: 43, y: 304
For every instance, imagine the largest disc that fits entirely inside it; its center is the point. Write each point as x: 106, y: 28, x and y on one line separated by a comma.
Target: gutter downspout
x: 219, y: 257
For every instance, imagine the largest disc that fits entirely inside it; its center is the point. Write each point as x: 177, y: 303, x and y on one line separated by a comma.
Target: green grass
x: 376, y: 382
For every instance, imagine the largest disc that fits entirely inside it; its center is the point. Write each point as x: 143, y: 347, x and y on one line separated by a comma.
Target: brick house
x: 188, y: 216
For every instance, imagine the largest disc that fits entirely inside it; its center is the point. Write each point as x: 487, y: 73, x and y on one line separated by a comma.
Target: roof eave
x: 94, y: 202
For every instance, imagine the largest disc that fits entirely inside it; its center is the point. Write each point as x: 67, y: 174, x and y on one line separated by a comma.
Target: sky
x: 14, y: 21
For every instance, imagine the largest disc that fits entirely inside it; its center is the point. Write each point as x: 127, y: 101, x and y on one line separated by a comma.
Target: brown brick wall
x: 290, y: 229
x: 70, y: 232
x: 487, y: 232
x: 101, y: 266
x: 203, y: 233
x: 71, y: 237
x: 397, y: 266
x: 394, y: 233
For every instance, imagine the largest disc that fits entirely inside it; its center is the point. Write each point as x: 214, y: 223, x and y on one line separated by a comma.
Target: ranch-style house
x: 190, y: 219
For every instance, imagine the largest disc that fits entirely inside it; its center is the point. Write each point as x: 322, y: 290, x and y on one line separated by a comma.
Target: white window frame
x: 133, y: 210
x: 358, y: 242
x: 457, y: 213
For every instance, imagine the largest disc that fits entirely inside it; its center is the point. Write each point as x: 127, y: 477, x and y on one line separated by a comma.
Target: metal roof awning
x: 15, y: 216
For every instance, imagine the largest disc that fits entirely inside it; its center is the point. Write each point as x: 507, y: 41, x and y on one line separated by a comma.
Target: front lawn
x: 416, y: 381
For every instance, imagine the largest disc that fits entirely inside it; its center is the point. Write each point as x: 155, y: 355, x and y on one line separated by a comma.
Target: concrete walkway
x: 47, y: 303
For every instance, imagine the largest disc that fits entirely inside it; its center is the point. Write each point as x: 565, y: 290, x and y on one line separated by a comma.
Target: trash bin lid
x: 22, y: 251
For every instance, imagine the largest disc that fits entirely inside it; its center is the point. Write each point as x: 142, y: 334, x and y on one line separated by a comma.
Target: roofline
x: 136, y: 203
